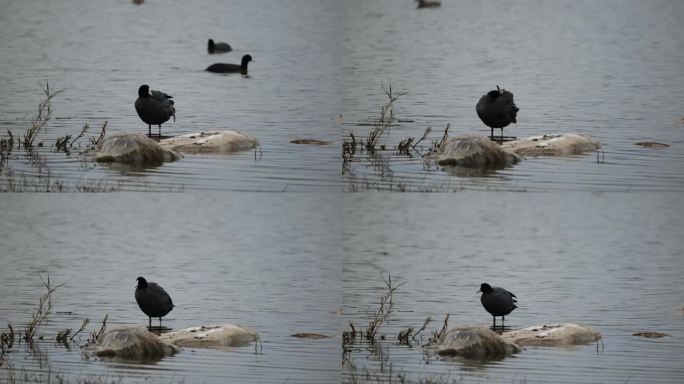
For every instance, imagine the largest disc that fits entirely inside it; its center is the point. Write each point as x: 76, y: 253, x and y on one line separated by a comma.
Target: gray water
x: 239, y: 259
x: 312, y: 262
x: 101, y: 52
x: 608, y: 69
x: 289, y: 263
x: 611, y: 261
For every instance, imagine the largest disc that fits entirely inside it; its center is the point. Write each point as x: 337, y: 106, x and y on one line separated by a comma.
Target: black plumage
x: 497, y: 110
x: 154, y: 107
x: 231, y: 68
x: 218, y: 47
x: 428, y: 3
x: 497, y: 301
x: 152, y: 300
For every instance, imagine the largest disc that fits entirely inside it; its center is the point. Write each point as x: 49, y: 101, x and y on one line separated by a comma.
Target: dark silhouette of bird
x: 218, y: 47
x: 428, y: 3
x: 231, y: 68
x: 152, y: 300
x: 497, y: 301
x: 497, y: 110
x: 154, y: 107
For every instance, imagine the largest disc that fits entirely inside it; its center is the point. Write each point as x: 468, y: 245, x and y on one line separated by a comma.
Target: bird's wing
x: 156, y: 288
x: 160, y: 95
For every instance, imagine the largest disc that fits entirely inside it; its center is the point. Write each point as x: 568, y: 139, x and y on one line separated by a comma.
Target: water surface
x: 239, y: 259
x: 611, y: 261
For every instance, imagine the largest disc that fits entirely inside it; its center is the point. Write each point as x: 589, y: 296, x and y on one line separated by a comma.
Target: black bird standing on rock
x: 152, y: 300
x: 231, y: 68
x: 497, y: 301
x: 497, y: 110
x: 154, y: 107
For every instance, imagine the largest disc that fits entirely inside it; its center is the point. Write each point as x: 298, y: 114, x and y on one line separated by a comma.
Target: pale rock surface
x: 567, y: 144
x: 131, y: 343
x: 474, y: 342
x: 473, y: 151
x: 211, y: 336
x: 553, y: 335
x: 217, y: 142
x: 133, y: 149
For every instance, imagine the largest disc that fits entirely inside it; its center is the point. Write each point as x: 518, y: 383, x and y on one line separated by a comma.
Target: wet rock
x: 305, y: 335
x: 473, y: 151
x: 553, y: 335
x: 474, y: 342
x: 211, y: 142
x: 131, y: 343
x: 650, y: 334
x: 651, y: 144
x: 132, y: 149
x: 212, y: 336
x: 566, y: 144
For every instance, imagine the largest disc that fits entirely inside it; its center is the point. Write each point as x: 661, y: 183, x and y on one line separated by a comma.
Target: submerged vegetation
x: 31, y: 338
x: 27, y: 153
x: 374, y: 151
x: 357, y: 338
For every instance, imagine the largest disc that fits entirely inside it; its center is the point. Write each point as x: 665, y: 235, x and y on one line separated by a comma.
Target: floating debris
x: 652, y: 144
x: 650, y: 334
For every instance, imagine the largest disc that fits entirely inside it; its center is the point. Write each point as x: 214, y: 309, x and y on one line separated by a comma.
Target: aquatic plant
x: 42, y: 117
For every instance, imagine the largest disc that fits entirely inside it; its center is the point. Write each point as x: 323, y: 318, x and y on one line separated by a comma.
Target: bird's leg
x: 491, y: 134
x: 149, y: 130
x: 494, y: 326
x: 160, y: 323
x: 502, y: 321
x: 160, y: 136
x: 150, y: 323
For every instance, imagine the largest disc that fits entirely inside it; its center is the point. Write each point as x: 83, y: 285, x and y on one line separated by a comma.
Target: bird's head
x: 246, y: 59
x: 485, y: 288
x: 493, y: 95
x: 144, y: 91
x: 142, y: 283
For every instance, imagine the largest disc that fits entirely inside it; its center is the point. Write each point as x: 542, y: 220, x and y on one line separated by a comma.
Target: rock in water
x: 133, y: 149
x: 474, y: 342
x: 553, y: 335
x: 472, y: 151
x: 132, y: 343
x: 566, y: 144
x: 212, y: 336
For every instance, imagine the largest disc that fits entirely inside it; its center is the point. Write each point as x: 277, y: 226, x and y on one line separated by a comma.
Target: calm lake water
x: 611, y: 261
x: 101, y: 52
x: 239, y: 259
x: 602, y: 68
x: 603, y: 248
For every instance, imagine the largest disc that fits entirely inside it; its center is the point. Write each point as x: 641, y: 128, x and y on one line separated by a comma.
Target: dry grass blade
x: 96, y: 335
x: 425, y: 324
x: 42, y: 312
x: 6, y: 341
x: 42, y: 116
x: 438, y: 335
x: 85, y: 323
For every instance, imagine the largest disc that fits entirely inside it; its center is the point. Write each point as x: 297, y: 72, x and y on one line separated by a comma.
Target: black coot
x: 152, y: 299
x: 428, y: 3
x: 231, y: 68
x: 154, y: 107
x: 497, y: 301
x: 218, y: 47
x: 497, y: 110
